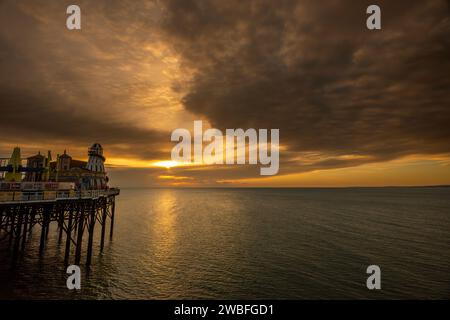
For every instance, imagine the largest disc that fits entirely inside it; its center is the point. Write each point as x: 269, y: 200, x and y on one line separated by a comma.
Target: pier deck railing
x: 49, y: 196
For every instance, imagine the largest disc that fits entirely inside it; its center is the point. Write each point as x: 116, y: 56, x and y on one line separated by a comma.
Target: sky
x: 354, y: 107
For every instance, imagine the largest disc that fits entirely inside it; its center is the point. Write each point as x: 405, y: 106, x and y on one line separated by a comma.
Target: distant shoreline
x: 344, y: 187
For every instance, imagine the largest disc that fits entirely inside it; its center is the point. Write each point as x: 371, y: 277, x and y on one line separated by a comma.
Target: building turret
x: 96, y: 164
x: 96, y: 159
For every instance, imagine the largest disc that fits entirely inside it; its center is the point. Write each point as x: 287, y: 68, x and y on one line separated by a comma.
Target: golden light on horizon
x: 169, y: 177
x: 166, y: 164
x: 170, y: 164
x: 136, y: 163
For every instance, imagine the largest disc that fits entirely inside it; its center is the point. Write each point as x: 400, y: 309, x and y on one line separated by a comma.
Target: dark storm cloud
x: 62, y: 87
x: 43, y: 117
x: 312, y: 69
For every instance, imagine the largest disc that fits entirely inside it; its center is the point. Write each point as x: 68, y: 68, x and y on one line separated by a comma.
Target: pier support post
x: 25, y: 229
x: 8, y: 219
x: 42, y: 240
x: 77, y: 215
x: 45, y: 226
x: 32, y: 217
x: 61, y: 225
x: 12, y: 225
x: 102, y: 239
x: 91, y: 232
x: 17, y: 237
x: 47, y: 223
x: 69, y: 237
x: 113, y: 207
x: 80, y: 234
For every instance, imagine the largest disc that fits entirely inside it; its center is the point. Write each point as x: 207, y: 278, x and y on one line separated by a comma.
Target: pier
x: 75, y: 213
x: 73, y: 194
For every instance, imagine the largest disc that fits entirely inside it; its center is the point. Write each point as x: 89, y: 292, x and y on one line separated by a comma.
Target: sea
x: 307, y: 243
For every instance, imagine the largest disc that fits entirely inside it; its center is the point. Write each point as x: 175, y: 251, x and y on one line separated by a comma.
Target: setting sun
x: 166, y: 164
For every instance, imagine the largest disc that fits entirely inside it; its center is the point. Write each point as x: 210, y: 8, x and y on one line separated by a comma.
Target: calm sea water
x: 255, y: 244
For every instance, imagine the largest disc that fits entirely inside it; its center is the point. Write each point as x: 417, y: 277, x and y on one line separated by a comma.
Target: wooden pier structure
x: 76, y: 214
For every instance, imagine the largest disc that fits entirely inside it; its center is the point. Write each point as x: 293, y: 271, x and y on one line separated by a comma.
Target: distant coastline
x: 236, y: 187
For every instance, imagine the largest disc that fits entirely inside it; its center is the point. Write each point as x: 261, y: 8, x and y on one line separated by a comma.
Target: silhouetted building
x: 84, y: 174
x: 35, y: 162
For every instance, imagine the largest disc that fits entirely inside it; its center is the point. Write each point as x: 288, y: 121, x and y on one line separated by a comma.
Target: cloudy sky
x: 354, y: 107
